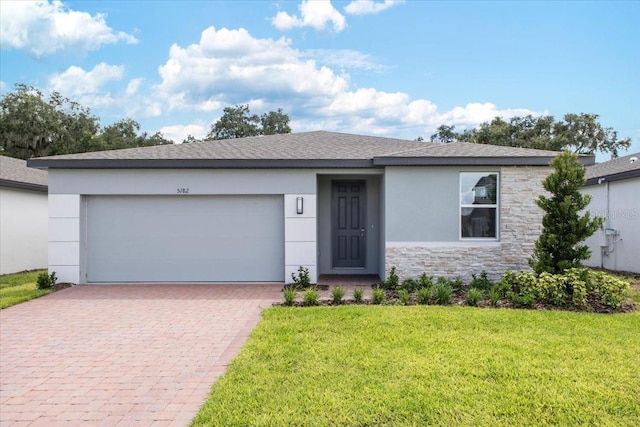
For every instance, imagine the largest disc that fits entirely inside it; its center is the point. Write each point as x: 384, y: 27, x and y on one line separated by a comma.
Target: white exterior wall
x: 619, y: 203
x: 23, y: 230
x: 300, y: 236
x: 64, y: 236
x: 66, y: 188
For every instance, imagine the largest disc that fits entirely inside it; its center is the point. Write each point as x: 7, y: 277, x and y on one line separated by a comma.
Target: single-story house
x: 255, y: 209
x: 615, y: 190
x: 23, y: 216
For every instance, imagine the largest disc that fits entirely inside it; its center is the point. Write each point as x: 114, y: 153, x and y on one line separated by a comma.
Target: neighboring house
x: 255, y: 209
x: 615, y: 188
x: 23, y: 216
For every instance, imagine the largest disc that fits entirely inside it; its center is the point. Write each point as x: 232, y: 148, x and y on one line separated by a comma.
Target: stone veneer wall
x: 520, y: 226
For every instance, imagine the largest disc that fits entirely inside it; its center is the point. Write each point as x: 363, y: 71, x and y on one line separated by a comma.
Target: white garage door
x: 185, y: 238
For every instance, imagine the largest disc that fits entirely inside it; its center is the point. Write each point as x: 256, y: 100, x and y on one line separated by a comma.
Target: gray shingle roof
x: 15, y: 173
x: 307, y: 149
x: 615, y: 169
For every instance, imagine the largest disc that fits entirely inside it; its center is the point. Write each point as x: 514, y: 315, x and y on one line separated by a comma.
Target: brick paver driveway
x: 122, y: 354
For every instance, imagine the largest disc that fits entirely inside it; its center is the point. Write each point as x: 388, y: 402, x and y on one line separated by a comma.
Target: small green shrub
x: 474, y: 296
x: 424, y: 295
x: 301, y: 280
x: 392, y: 281
x: 521, y: 288
x: 610, y: 290
x: 409, y: 285
x: 494, y: 295
x: 337, y: 294
x: 404, y: 296
x: 483, y: 282
x: 358, y: 295
x: 289, y: 296
x: 378, y: 296
x: 425, y: 281
x: 46, y: 281
x: 442, y: 293
x: 577, y: 282
x: 551, y: 288
x: 456, y: 283
x: 522, y: 301
x: 310, y: 297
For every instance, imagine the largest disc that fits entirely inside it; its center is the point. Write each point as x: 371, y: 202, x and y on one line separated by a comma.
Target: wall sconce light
x: 299, y: 205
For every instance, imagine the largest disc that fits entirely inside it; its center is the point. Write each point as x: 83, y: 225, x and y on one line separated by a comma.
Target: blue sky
x: 386, y: 68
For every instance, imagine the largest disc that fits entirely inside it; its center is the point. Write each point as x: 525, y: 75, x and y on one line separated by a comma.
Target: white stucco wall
x: 23, y: 230
x: 619, y: 203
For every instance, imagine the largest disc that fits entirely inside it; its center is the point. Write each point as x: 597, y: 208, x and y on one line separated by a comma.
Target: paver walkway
x: 122, y: 354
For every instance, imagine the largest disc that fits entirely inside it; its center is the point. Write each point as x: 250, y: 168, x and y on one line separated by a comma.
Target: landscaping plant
x: 311, y: 297
x: 337, y: 294
x: 46, y: 281
x: 301, y: 280
x: 289, y: 296
x: 565, y: 223
x: 358, y: 295
x: 378, y: 296
x: 474, y: 296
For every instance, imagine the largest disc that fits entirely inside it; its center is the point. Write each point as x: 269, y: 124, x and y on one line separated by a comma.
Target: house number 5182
x: 183, y: 191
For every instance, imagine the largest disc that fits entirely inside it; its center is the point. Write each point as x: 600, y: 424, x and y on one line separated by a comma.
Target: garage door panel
x: 185, y: 238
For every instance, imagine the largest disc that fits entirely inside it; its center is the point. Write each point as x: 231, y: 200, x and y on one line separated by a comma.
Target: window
x: 478, y: 205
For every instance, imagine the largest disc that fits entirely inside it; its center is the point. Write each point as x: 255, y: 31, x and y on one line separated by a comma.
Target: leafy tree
x: 563, y: 228
x: 32, y: 126
x: 190, y: 139
x: 444, y: 134
x: 238, y: 122
x: 579, y: 133
x: 125, y: 134
x: 275, y: 122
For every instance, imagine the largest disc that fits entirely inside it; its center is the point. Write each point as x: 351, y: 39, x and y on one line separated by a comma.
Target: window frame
x: 495, y: 206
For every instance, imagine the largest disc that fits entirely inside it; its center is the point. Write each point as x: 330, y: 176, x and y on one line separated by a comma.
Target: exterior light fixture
x: 299, y: 209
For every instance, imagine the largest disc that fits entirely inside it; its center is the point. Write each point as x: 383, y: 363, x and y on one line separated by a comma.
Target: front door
x: 348, y: 208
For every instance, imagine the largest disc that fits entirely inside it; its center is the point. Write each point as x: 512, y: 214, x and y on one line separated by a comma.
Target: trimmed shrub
x: 611, y: 291
x: 46, y: 281
x: 409, y: 285
x: 482, y: 282
x: 392, y: 281
x: 425, y: 281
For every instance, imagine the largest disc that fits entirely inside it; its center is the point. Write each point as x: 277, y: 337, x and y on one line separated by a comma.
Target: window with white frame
x: 479, y: 205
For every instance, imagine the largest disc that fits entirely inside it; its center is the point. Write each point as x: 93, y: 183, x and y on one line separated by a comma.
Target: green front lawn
x: 19, y: 287
x: 428, y: 365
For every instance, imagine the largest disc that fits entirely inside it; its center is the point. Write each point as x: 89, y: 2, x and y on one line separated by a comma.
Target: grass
x: 413, y: 366
x: 19, y: 287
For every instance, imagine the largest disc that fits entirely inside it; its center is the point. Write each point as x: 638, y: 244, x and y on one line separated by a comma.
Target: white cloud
x: 228, y: 67
x: 133, y: 86
x: 317, y: 14
x: 44, y: 28
x: 177, y: 133
x: 366, y: 7
x: 76, y: 82
x: 343, y: 58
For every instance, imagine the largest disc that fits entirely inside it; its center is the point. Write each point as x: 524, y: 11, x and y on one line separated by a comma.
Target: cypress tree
x: 563, y: 228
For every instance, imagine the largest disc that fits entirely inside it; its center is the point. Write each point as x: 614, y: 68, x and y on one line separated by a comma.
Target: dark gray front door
x: 348, y: 223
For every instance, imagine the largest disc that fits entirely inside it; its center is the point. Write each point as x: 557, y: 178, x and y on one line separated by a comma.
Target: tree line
x: 579, y: 133
x: 34, y: 125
